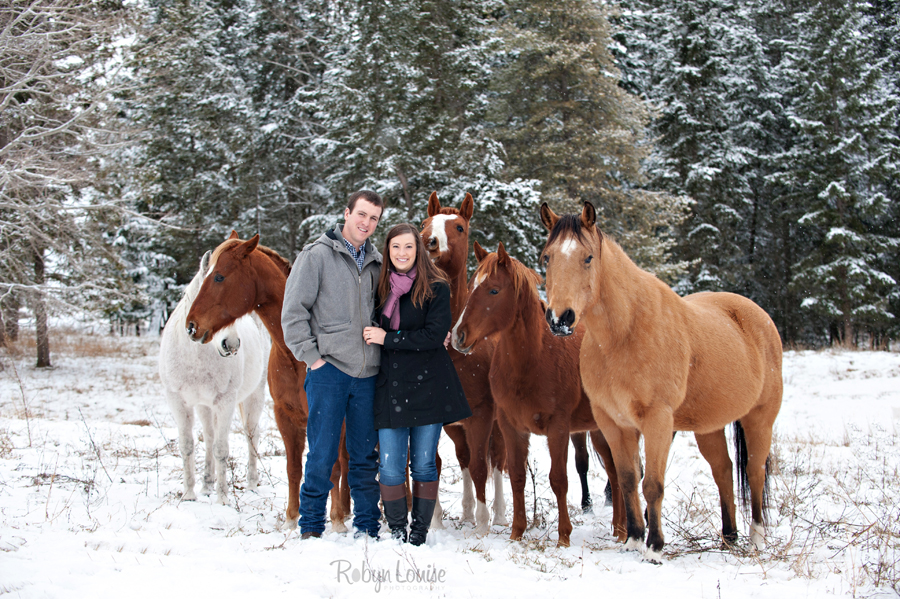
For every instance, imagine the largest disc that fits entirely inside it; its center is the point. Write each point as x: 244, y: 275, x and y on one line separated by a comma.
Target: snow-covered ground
x: 90, y: 480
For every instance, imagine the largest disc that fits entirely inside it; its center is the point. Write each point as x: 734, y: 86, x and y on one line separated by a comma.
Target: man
x: 328, y: 300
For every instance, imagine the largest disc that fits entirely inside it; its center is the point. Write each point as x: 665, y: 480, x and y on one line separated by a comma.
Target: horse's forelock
x: 569, y: 226
x: 523, y: 277
x: 221, y: 249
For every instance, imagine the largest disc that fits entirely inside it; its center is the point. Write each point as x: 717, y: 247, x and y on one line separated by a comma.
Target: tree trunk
x: 406, y: 196
x: 2, y: 331
x: 40, y: 314
x: 10, y: 308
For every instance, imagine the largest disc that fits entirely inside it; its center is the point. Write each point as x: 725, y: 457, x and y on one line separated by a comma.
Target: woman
x: 417, y: 390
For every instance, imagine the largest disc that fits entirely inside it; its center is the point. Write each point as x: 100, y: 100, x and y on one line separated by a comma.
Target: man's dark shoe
x: 310, y: 535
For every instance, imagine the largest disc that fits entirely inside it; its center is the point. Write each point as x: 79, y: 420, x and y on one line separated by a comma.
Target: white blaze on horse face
x: 439, y: 229
x: 455, y: 328
x: 478, y: 281
x: 568, y: 246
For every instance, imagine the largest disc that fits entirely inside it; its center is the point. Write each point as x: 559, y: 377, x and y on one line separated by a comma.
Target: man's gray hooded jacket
x: 328, y: 302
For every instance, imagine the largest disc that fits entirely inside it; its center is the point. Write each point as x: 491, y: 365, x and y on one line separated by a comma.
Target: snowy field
x: 90, y: 481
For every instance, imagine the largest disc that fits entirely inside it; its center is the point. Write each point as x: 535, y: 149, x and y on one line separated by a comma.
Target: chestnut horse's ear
x: 233, y: 235
x: 480, y: 252
x: 434, y: 204
x: 467, y: 208
x: 548, y: 217
x: 502, y: 255
x: 588, y: 216
x: 248, y: 246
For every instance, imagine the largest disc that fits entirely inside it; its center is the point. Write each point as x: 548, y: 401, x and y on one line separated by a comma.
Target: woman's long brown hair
x: 426, y: 272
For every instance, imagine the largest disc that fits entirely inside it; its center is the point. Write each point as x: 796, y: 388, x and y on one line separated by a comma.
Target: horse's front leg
x: 558, y: 444
x: 340, y: 509
x: 208, y: 421
x: 657, y: 428
x: 184, y: 418
x: 251, y: 409
x: 517, y: 455
x: 478, y: 433
x: 223, y: 411
x: 458, y: 435
x: 623, y: 446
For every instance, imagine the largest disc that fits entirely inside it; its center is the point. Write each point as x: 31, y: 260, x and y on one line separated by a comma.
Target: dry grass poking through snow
x: 92, y: 437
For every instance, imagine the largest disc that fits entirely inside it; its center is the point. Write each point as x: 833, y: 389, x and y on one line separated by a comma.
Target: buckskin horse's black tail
x: 740, y: 460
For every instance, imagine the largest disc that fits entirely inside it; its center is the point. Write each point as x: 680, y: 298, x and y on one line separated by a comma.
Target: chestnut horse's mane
x: 226, y: 245
x: 523, y: 277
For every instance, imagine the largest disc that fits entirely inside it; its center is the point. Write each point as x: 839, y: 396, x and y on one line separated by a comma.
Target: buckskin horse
x: 247, y: 277
x: 534, y: 379
x: 653, y: 363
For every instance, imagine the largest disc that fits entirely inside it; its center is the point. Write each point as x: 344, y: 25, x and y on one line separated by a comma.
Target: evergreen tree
x: 564, y: 120
x: 54, y: 131
x: 846, y: 130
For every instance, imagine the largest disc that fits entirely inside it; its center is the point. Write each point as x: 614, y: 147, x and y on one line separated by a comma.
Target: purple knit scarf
x: 401, y: 283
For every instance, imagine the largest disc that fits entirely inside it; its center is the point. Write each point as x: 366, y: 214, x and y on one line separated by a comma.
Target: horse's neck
x: 270, y: 297
x: 459, y: 291
x: 622, y: 284
x: 526, y: 340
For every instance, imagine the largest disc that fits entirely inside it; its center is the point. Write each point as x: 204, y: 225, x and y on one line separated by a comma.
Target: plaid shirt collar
x: 359, y: 256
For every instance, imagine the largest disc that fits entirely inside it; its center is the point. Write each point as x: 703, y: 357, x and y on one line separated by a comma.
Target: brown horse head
x: 228, y: 291
x: 495, y: 295
x: 572, y: 262
x: 446, y: 233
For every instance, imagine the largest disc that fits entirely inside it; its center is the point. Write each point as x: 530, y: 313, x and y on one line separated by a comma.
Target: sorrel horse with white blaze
x: 479, y: 444
x: 534, y: 379
x: 246, y: 277
x: 653, y: 363
x: 213, y: 379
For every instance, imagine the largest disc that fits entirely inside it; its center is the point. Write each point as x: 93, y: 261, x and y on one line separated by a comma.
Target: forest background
x: 749, y: 147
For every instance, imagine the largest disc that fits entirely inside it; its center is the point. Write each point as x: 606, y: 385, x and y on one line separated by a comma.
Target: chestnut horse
x: 534, y: 379
x: 653, y: 363
x: 446, y: 236
x: 247, y: 277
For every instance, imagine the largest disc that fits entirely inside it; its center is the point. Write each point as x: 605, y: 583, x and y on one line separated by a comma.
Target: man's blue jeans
x: 419, y: 442
x: 334, y: 396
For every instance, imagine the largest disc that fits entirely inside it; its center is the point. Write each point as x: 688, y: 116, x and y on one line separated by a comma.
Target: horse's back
x: 736, y: 359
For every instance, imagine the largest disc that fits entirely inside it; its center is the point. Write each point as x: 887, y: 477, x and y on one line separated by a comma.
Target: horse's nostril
x: 191, y: 329
x: 567, y: 318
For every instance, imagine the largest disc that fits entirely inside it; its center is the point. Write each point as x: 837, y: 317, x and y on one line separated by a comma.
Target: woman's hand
x: 374, y: 335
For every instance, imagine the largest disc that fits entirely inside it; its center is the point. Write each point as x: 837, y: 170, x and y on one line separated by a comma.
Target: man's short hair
x: 367, y: 195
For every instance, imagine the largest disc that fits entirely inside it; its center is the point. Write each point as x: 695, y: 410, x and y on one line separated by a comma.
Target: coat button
x: 396, y: 365
x: 395, y: 383
x: 420, y: 377
x: 394, y: 401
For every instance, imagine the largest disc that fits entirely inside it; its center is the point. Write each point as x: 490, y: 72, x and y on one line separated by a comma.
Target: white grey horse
x: 214, y: 378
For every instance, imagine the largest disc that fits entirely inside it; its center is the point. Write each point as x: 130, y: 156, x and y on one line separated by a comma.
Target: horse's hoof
x: 633, y: 544
x: 758, y: 536
x: 482, y: 529
x: 338, y: 526
x: 563, y: 542
x: 222, y: 500
x: 653, y: 556
x: 515, y: 536
x: 500, y: 520
x: 189, y: 496
x: 289, y: 524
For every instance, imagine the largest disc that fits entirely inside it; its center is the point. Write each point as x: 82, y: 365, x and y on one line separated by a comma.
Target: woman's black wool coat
x: 417, y: 383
